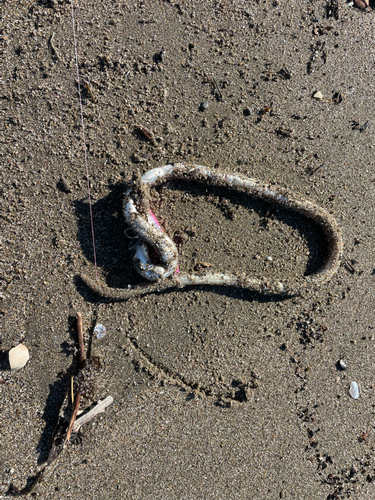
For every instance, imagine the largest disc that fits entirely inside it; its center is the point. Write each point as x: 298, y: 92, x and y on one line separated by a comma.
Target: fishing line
x: 83, y: 134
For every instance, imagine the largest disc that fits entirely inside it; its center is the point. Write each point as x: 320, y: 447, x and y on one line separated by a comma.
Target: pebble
x: 318, y: 95
x: 159, y: 57
x: 100, y: 331
x: 18, y: 357
x: 205, y: 104
x: 354, y: 391
x: 342, y: 365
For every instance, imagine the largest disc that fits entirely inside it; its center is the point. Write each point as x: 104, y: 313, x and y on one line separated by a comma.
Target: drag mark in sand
x: 224, y: 394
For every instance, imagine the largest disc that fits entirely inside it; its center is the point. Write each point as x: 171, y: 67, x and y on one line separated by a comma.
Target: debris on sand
x: 18, y: 357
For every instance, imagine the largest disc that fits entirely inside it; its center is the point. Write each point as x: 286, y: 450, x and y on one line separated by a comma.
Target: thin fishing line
x: 83, y: 134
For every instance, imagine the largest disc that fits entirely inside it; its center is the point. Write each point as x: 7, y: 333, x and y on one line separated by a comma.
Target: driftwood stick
x: 98, y: 408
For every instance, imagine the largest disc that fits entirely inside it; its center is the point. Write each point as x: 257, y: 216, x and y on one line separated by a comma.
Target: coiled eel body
x: 165, y: 273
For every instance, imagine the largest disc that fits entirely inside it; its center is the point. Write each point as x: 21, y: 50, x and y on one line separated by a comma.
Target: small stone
x: 341, y: 365
x: 18, y: 357
x: 205, y: 104
x: 318, y: 95
x: 100, y: 331
x: 354, y: 391
x: 159, y: 56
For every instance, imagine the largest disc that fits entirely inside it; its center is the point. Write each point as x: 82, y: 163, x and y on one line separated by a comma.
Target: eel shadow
x: 111, y: 244
x: 56, y: 397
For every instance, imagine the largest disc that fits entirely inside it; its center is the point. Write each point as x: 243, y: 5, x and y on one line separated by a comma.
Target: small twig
x: 86, y: 84
x: 72, y: 389
x: 316, y: 169
x: 72, y: 420
x: 77, y: 398
x: 81, y: 346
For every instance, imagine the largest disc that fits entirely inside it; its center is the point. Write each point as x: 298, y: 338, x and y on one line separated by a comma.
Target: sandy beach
x: 218, y: 393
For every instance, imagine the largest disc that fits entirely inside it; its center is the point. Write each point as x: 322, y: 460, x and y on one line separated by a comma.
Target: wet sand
x: 219, y: 393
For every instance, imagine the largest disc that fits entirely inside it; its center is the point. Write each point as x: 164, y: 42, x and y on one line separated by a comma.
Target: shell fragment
x: 354, y: 390
x: 18, y: 357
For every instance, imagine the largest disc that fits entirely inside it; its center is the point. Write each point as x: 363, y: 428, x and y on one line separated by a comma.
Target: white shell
x: 354, y: 391
x: 18, y: 357
x: 318, y: 95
